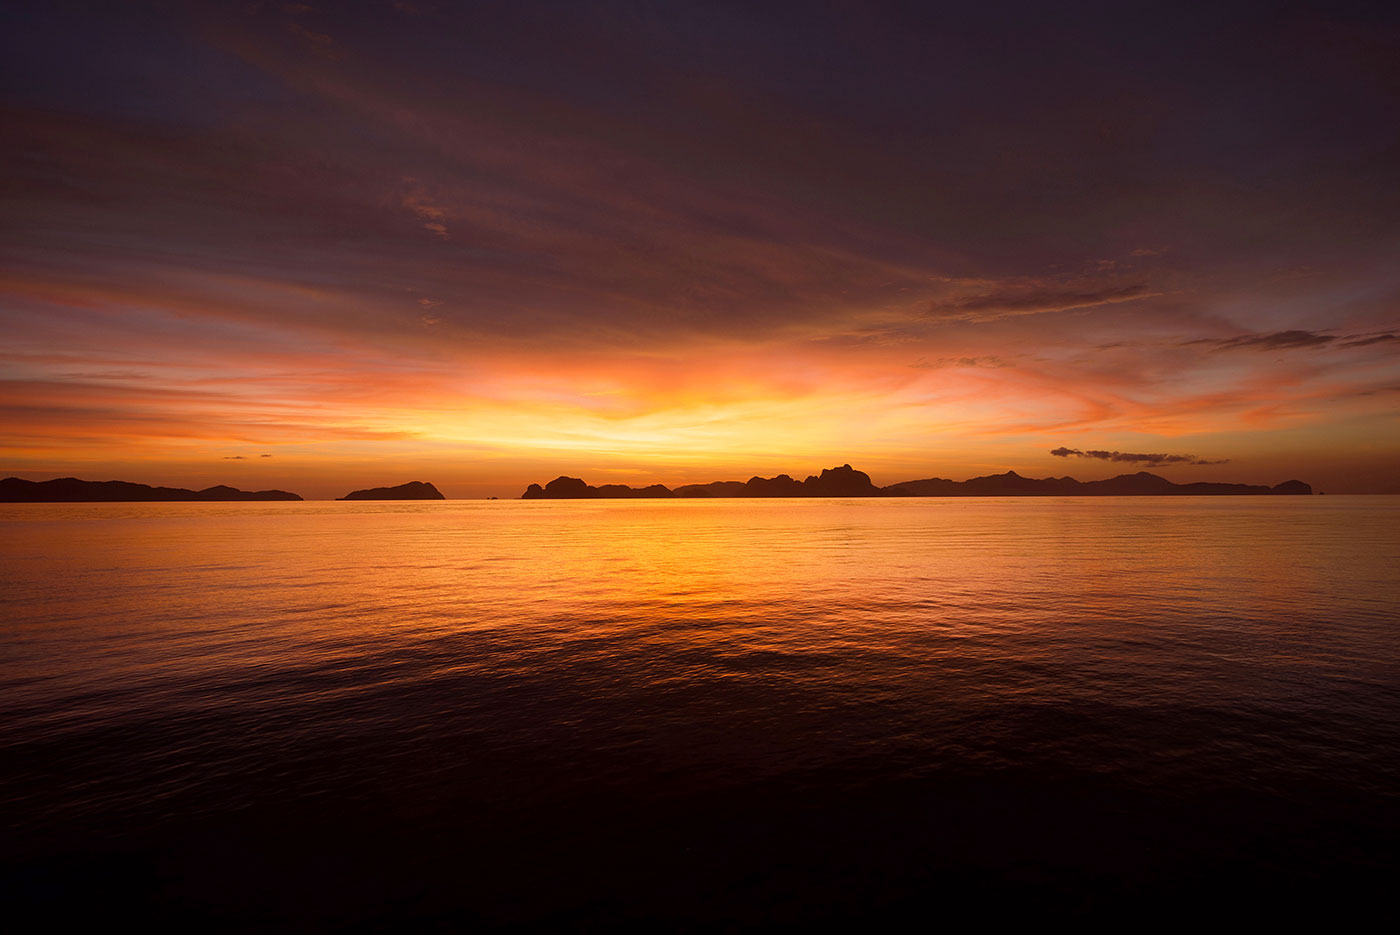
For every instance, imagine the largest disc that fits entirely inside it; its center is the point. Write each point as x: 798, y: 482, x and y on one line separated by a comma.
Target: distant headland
x: 72, y: 490
x: 844, y: 481
x: 413, y: 490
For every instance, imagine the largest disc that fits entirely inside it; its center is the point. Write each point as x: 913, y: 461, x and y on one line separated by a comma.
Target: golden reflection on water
x: 99, y: 594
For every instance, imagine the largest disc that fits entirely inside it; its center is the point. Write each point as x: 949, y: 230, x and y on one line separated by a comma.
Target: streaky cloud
x: 1011, y: 302
x: 1275, y: 341
x: 1134, y: 458
x: 1367, y: 340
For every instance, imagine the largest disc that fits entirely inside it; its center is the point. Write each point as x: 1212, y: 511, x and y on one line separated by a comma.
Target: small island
x: 72, y: 490
x: 845, y: 481
x: 413, y: 490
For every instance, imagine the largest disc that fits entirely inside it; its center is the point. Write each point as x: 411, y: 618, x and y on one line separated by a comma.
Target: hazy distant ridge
x: 72, y: 490
x: 844, y: 481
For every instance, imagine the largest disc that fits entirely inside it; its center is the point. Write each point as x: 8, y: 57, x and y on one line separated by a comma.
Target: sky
x: 323, y: 246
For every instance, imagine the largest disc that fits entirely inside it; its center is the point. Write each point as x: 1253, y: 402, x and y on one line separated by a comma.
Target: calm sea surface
x: 699, y: 714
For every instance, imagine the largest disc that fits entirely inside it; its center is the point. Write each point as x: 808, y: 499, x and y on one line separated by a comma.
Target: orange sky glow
x: 316, y: 268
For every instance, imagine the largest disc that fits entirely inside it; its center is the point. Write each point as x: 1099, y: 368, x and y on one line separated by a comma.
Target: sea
x: 700, y: 715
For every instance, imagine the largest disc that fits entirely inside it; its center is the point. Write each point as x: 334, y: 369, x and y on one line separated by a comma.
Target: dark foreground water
x: 724, y: 714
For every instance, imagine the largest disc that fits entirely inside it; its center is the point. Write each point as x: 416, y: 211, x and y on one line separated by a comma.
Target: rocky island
x: 72, y: 490
x: 413, y: 490
x: 845, y: 481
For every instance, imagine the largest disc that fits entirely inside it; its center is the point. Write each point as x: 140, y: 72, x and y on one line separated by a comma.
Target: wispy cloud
x: 1295, y: 339
x: 1035, y: 299
x: 939, y: 363
x: 1274, y: 341
x: 420, y: 203
x: 1367, y: 340
x: 1151, y: 460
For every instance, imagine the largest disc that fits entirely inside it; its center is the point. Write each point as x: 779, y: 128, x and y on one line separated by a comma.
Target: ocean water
x: 726, y: 714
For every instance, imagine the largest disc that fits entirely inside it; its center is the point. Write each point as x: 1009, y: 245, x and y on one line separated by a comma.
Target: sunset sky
x: 324, y: 246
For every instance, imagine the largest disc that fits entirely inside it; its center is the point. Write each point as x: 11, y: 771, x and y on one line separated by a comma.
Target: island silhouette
x: 842, y: 481
x: 72, y: 490
x: 413, y: 490
x: 845, y: 481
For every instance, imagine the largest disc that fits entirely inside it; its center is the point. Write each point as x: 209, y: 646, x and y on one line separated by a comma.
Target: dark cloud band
x: 1288, y: 340
x: 1133, y: 458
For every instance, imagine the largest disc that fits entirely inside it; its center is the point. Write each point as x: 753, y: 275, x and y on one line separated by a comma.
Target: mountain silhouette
x: 845, y: 481
x: 72, y: 490
x: 1141, y: 484
x: 413, y: 490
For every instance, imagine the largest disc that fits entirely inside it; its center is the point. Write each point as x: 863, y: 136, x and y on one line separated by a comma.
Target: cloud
x: 235, y: 458
x: 1121, y: 456
x: 432, y: 215
x: 1364, y: 340
x: 1380, y: 390
x: 1035, y: 300
x: 924, y: 363
x: 1293, y: 340
x: 1275, y: 341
